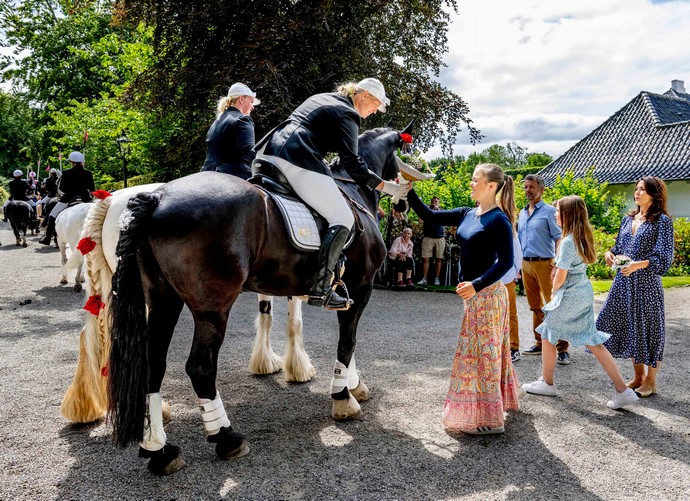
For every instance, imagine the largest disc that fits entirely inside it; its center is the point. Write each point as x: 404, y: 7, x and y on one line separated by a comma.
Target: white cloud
x: 544, y: 74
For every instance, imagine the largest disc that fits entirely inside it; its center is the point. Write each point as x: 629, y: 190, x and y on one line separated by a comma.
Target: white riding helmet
x: 17, y: 173
x: 75, y: 156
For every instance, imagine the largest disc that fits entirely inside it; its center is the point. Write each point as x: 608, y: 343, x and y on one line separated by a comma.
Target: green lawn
x: 600, y: 286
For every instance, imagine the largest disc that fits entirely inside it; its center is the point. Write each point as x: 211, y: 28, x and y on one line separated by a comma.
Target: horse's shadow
x: 299, y: 452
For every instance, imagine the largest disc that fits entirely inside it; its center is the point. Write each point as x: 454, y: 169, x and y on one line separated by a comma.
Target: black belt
x: 537, y: 258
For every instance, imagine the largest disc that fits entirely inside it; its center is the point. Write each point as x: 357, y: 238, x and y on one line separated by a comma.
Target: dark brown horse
x: 201, y: 241
x: 19, y: 214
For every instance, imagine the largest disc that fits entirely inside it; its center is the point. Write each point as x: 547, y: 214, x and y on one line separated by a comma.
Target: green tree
x: 287, y: 50
x: 605, y: 211
x: 17, y: 133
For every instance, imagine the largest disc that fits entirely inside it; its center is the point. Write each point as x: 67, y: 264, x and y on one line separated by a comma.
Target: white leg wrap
x: 213, y: 414
x: 340, y: 377
x: 154, y: 434
x: 352, y: 377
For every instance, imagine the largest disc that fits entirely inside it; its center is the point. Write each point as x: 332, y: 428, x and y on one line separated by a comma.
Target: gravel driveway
x: 570, y: 447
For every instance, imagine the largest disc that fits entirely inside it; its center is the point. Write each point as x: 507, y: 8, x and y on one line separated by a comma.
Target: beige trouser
x: 512, y: 313
x: 536, y: 277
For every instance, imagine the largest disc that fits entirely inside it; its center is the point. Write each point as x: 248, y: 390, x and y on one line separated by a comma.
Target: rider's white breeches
x: 319, y: 192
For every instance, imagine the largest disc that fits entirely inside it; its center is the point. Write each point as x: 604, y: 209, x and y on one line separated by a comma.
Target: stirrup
x: 348, y: 302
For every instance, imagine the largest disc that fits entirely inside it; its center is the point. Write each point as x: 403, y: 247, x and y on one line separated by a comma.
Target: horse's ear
x: 389, y: 125
x: 408, y: 129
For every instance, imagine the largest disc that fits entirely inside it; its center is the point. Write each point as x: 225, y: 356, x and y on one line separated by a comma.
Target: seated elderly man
x: 401, y: 254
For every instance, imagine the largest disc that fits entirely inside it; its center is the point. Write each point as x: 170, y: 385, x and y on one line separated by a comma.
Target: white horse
x: 86, y: 399
x: 68, y: 226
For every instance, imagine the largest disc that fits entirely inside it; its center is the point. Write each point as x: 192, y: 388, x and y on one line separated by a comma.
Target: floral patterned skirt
x: 483, y: 383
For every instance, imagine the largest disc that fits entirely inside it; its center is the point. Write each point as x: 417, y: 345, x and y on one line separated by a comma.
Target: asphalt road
x: 569, y: 447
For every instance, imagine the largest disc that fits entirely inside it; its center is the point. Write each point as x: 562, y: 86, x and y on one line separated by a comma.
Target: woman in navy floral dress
x: 634, y: 310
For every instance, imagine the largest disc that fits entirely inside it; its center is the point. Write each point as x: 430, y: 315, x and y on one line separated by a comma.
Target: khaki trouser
x: 536, y: 277
x: 512, y: 313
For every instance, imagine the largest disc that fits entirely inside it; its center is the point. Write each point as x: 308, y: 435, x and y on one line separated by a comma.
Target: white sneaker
x: 422, y: 282
x: 620, y: 400
x: 437, y: 281
x: 539, y: 387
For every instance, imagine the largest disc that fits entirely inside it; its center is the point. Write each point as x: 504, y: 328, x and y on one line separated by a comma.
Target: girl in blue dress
x: 570, y: 313
x: 634, y: 310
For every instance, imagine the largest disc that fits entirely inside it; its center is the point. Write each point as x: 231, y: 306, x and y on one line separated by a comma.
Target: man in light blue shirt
x: 538, y: 234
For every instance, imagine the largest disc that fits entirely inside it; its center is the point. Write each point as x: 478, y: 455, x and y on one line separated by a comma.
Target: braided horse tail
x: 86, y: 399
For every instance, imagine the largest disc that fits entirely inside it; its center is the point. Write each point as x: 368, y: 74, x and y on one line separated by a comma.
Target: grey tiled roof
x: 648, y: 136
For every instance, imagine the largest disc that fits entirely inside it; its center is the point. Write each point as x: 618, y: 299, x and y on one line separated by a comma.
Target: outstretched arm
x: 443, y: 217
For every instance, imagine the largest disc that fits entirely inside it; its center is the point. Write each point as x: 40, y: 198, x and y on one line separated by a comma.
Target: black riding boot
x: 50, y: 231
x: 322, y: 293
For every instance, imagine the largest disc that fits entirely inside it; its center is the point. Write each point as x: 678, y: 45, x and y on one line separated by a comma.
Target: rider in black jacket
x: 19, y: 189
x: 328, y: 123
x: 75, y: 182
x: 230, y: 139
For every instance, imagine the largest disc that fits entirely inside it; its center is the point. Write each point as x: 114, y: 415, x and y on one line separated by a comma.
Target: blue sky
x: 545, y: 73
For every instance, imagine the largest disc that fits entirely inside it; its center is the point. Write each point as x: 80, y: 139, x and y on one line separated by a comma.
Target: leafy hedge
x: 132, y: 181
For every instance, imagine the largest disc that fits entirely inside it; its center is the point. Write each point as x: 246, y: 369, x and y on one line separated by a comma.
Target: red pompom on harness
x: 104, y: 371
x: 94, y: 305
x: 101, y: 194
x: 86, y: 245
x: 406, y: 138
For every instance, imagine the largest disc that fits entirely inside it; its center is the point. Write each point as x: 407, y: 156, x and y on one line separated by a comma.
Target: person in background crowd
x: 634, y: 310
x: 401, y: 254
x: 509, y: 280
x: 538, y: 234
x: 483, y: 384
x: 75, y: 182
x: 19, y: 189
x: 570, y: 313
x: 433, y: 245
x: 230, y: 140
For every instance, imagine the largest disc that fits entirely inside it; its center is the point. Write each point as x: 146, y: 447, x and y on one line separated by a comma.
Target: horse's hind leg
x: 79, y: 277
x: 263, y: 359
x: 63, y: 259
x: 298, y: 367
x: 164, y: 311
x: 202, y: 367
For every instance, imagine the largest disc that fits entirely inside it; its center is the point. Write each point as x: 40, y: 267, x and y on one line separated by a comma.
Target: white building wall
x: 678, y: 196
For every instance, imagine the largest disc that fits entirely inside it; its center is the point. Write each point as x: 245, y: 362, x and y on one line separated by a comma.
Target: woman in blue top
x: 634, y: 310
x: 482, y: 383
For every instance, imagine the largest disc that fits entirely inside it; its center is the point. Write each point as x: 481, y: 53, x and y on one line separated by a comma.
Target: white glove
x: 397, y: 191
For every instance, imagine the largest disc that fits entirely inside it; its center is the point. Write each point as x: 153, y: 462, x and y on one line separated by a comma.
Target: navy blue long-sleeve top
x: 486, y: 241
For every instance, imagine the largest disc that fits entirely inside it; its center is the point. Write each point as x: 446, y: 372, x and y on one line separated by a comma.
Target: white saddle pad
x: 300, y: 223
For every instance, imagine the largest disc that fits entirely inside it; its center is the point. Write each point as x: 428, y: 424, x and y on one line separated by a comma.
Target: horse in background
x: 168, y: 252
x: 68, y: 226
x: 19, y: 214
x: 86, y: 399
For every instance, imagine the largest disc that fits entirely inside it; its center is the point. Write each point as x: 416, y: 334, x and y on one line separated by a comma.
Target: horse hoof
x: 167, y: 412
x: 301, y: 377
x: 237, y: 453
x: 63, y: 281
x: 361, y: 393
x: 24, y: 244
x: 346, y: 409
x: 229, y: 444
x: 164, y: 461
x: 77, y: 287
